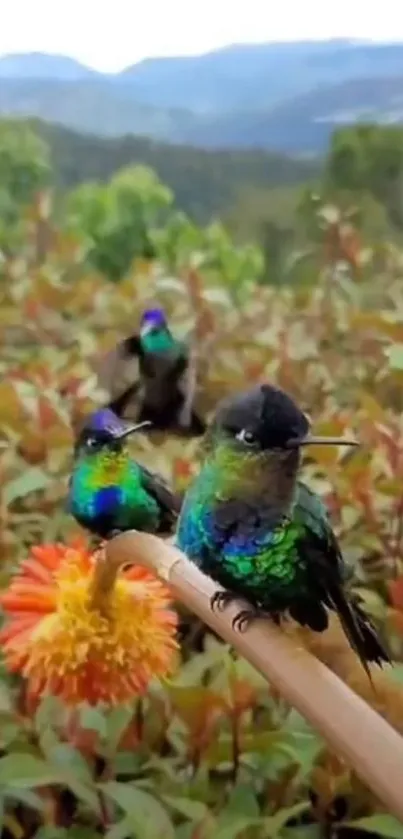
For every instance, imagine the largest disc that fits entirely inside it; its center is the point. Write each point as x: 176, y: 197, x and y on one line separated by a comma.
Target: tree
x: 369, y: 159
x: 25, y: 171
x: 116, y: 219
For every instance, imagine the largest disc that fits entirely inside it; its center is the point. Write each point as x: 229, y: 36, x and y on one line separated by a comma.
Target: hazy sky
x: 116, y: 33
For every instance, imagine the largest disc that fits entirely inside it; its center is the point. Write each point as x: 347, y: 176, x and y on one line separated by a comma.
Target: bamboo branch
x: 355, y: 731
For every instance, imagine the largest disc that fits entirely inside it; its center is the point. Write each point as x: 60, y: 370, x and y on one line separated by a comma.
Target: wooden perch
x: 352, y: 728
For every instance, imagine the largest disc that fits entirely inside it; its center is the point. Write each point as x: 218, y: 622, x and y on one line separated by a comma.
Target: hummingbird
x: 109, y: 492
x: 164, y: 388
x: 256, y: 529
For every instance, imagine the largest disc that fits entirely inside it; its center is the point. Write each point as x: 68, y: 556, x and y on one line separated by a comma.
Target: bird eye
x: 246, y: 437
x: 91, y: 442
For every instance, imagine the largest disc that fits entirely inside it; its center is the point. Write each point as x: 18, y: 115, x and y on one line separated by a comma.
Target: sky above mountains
x: 113, y: 35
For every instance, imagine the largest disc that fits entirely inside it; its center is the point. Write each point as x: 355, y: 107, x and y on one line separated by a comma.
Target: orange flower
x: 64, y: 645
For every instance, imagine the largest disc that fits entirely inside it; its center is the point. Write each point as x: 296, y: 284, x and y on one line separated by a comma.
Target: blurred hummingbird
x: 249, y: 523
x: 164, y: 386
x: 109, y: 491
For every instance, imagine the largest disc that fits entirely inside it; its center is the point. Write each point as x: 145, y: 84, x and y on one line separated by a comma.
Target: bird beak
x: 312, y: 440
x: 133, y: 428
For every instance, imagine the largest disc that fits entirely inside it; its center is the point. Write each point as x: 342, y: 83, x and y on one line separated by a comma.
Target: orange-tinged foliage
x: 215, y: 726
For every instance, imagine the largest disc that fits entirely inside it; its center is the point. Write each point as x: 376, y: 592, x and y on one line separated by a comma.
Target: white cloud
x: 113, y: 35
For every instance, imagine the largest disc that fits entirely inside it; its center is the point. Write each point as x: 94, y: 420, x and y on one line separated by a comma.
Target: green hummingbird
x: 109, y: 492
x: 162, y: 386
x: 249, y: 522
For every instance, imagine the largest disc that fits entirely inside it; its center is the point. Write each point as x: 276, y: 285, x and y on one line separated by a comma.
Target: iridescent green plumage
x: 250, y: 524
x: 109, y: 486
x: 109, y: 491
x: 263, y: 560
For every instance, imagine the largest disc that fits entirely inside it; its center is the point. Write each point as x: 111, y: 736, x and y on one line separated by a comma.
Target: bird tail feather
x: 360, y: 632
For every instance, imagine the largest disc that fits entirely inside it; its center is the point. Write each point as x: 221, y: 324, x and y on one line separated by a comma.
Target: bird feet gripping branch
x: 241, y: 621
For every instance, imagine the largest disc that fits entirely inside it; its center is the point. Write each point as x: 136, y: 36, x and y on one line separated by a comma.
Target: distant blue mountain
x: 258, y: 75
x: 286, y: 96
x: 39, y: 65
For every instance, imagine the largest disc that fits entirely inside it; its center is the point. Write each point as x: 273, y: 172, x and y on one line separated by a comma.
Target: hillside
x: 257, y: 76
x: 91, y: 105
x: 285, y: 96
x: 305, y: 123
x: 205, y: 182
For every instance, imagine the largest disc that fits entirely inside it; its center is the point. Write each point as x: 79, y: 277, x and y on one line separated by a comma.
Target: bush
x: 213, y: 752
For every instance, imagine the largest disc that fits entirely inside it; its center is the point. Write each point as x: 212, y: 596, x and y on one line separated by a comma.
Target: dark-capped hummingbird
x: 109, y: 491
x: 249, y: 522
x: 163, y: 390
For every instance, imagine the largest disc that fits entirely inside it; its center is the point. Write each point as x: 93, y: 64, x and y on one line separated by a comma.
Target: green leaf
x: 186, y: 831
x: 117, y: 722
x: 49, y: 713
x: 305, y: 831
x: 85, y: 794
x: 274, y: 824
x: 70, y: 769
x: 147, y: 818
x: 93, y: 720
x: 395, y: 355
x: 65, y: 757
x: 66, y: 833
x: 242, y: 800
x: 26, y: 797
x: 241, y: 812
x: 31, y: 480
x: 187, y: 807
x: 229, y: 827
x: 2, y: 809
x: 381, y: 823
x: 6, y: 701
x: 25, y: 770
x: 10, y: 730
x: 126, y: 763
x: 122, y: 830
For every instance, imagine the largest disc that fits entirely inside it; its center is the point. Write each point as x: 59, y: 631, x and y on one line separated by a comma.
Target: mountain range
x: 281, y: 96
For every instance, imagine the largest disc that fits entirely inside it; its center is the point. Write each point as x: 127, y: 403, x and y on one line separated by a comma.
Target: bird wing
x: 326, y: 569
x: 318, y: 542
x: 313, y: 509
x: 169, y: 501
x: 130, y: 347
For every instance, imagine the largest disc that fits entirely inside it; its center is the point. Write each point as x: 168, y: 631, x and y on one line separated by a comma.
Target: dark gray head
x: 104, y: 430
x: 266, y: 418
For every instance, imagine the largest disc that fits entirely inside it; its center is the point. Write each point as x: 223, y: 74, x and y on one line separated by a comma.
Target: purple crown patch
x: 105, y: 420
x: 154, y: 316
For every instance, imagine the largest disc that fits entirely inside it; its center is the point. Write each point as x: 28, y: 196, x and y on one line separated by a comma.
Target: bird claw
x: 241, y: 621
x: 244, y: 618
x: 221, y: 599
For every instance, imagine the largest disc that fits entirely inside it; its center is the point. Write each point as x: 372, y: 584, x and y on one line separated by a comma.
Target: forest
x: 296, y: 281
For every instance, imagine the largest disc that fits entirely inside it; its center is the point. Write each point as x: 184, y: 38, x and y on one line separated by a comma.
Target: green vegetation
x: 204, y: 183
x: 24, y: 171
x: 368, y: 159
x: 212, y: 753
